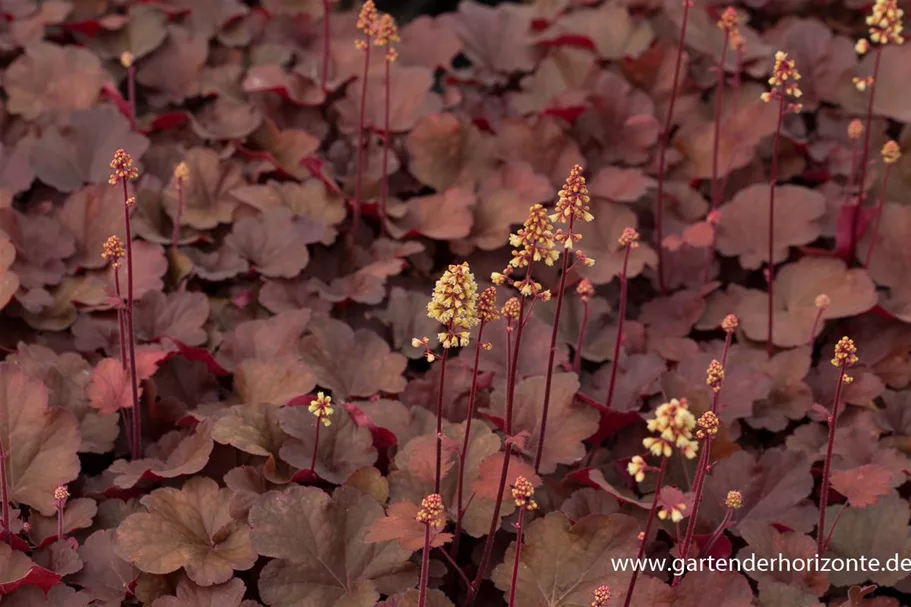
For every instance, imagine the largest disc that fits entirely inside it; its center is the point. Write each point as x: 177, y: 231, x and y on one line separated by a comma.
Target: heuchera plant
x: 307, y: 304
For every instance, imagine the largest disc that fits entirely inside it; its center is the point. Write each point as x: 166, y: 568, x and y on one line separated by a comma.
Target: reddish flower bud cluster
x: 123, y: 168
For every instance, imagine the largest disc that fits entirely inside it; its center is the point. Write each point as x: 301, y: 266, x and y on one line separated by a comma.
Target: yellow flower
x: 510, y: 309
x: 674, y: 424
x: 714, y: 376
x: 636, y: 468
x: 629, y: 238
x: 322, y: 408
x: 585, y: 289
x: 845, y: 353
x: 708, y: 425
x: 730, y: 323
x: 675, y: 512
x: 182, y: 171
x: 784, y: 82
x: 734, y: 500
x: 487, y: 305
x: 113, y: 251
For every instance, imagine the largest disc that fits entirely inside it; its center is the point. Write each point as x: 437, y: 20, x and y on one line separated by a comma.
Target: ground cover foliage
x: 302, y: 307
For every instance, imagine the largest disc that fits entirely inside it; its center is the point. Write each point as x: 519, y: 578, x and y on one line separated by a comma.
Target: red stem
x: 510, y: 395
x: 819, y: 313
x: 4, y: 489
x: 137, y: 423
x: 359, y: 177
x: 515, y: 562
x: 463, y: 453
x: 716, y: 191
x: 735, y: 94
x: 384, y: 184
x: 552, y: 352
x: 698, y: 487
x: 439, y: 452
x: 621, y: 314
x: 319, y: 422
x: 862, y: 176
x: 175, y: 230
x: 877, y: 215
x: 717, y: 533
x: 125, y: 413
x: 832, y: 530
x: 662, y: 150
x: 827, y: 466
x: 648, y: 529
x: 425, y: 566
x: 59, y: 522
x: 131, y: 94
x: 577, y: 357
x: 324, y: 75
x: 773, y: 177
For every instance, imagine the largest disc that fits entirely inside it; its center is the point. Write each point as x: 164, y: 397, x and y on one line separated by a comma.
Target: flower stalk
x: 321, y: 407
x: 431, y: 514
x: 629, y: 240
x: 822, y: 302
x: 523, y: 494
x: 890, y: 153
x: 113, y: 251
x: 124, y: 171
x: 663, y: 146
x: 533, y: 242
x: 585, y: 290
x: 4, y: 489
x: 732, y: 502
x: 884, y: 26
x: 61, y: 495
x: 573, y: 204
x: 487, y: 312
x: 387, y: 33
x: 784, y: 87
x: 673, y: 426
x: 127, y: 60
x: 845, y: 357
x: 367, y: 23
x: 181, y: 174
x: 728, y: 23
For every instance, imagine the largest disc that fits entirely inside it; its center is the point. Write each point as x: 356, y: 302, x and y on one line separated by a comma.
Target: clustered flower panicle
x: 487, y: 305
x: 674, y: 424
x: 523, y: 493
x: 855, y: 129
x: 714, y: 376
x: 387, y: 33
x: 113, y: 251
x: 845, y: 353
x: 321, y: 407
x: 730, y: 323
x: 636, y: 468
x: 127, y: 59
x: 891, y: 152
x: 601, y: 596
x: 729, y: 23
x: 822, y: 301
x: 784, y: 82
x: 585, y: 289
x: 885, y: 25
x: 61, y: 494
x: 734, y: 500
x: 534, y: 241
x: 123, y: 168
x: 629, y: 238
x: 510, y: 309
x: 431, y: 511
x: 708, y: 424
x: 573, y: 203
x: 367, y: 22
x: 455, y: 305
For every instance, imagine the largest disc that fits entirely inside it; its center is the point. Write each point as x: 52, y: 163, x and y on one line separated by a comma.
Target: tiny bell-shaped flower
x: 113, y: 251
x: 636, y: 468
x: 708, y: 425
x: 629, y: 238
x: 730, y: 323
x: 845, y: 353
x: 891, y: 152
x: 675, y: 512
x: 487, y: 305
x: 455, y: 304
x: 432, y: 512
